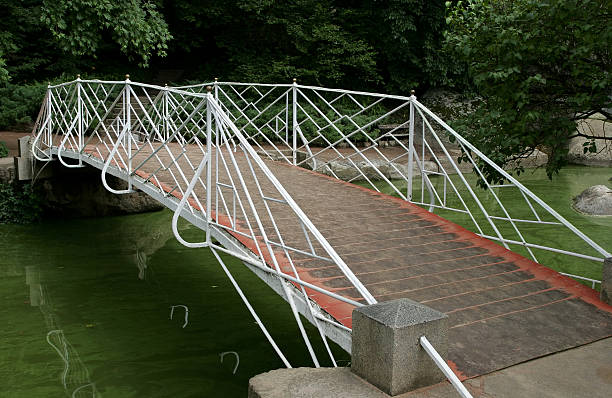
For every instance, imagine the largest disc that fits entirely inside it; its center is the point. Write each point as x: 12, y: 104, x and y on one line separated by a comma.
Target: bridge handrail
x: 301, y: 91
x: 294, y: 207
x: 517, y: 183
x: 280, y: 122
x: 114, y: 112
x: 257, y: 107
x: 443, y: 366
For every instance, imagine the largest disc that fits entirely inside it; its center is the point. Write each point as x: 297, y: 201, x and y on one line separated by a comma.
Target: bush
x: 19, y: 104
x: 3, y: 150
x: 19, y: 203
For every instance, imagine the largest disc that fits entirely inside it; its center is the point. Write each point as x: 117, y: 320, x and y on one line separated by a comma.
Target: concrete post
x: 606, y: 282
x: 385, y: 347
x: 23, y: 162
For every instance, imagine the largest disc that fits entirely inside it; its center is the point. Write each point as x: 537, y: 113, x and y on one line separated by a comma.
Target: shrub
x: 19, y: 104
x: 19, y: 203
x: 3, y: 150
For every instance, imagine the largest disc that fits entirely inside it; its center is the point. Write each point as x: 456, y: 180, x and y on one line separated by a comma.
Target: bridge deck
x: 503, y: 308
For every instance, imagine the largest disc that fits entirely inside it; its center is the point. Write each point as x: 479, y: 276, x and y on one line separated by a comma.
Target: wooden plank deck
x: 503, y: 308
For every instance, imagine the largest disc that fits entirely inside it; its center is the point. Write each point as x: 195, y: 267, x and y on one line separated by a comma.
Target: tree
x: 80, y: 27
x: 540, y: 66
x: 26, y: 51
x: 407, y: 35
x: 272, y: 41
x: 81, y: 30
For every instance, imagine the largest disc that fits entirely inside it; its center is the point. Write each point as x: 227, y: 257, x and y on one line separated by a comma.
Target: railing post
x: 410, y: 147
x: 217, y: 146
x: 209, y: 98
x: 606, y: 281
x: 128, y: 124
x: 80, y: 118
x: 294, y: 122
x: 165, y: 112
x: 49, y: 118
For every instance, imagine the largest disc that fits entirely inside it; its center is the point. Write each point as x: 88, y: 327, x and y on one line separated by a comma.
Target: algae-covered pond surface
x: 88, y: 301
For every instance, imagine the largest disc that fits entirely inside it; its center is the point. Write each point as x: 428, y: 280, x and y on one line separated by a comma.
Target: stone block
x: 23, y: 146
x: 606, y: 282
x: 23, y: 168
x: 386, y: 350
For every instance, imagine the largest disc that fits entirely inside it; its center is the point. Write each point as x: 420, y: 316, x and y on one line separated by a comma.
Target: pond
x: 89, y: 301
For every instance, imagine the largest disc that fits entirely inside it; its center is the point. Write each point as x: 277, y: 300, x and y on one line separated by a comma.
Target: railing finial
x: 412, y: 92
x: 216, y: 79
x: 209, y: 88
x: 127, y: 77
x: 294, y: 80
x: 79, y: 76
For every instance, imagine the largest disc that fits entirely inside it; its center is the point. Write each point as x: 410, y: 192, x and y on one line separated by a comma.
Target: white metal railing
x: 443, y: 366
x: 185, y: 148
x: 200, y: 152
x: 394, y: 144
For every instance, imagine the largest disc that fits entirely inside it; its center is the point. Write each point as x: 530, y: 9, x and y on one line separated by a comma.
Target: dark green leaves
x: 539, y: 66
x: 81, y: 27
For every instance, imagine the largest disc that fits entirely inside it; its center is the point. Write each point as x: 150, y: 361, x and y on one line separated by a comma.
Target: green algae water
x: 86, y: 313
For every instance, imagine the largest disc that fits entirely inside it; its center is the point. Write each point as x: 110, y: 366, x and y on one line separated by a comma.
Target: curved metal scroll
x: 184, y: 200
x: 61, y: 147
x: 111, y: 155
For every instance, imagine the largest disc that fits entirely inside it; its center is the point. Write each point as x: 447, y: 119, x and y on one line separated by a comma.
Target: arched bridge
x: 339, y: 199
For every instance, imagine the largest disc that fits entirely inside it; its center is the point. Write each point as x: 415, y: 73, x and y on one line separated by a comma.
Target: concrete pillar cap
x: 400, y: 313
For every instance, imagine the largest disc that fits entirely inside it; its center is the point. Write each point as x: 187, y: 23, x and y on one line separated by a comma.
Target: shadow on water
x: 88, y: 306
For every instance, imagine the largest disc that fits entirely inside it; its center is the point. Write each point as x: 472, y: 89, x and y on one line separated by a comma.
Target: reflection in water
x: 143, y: 240
x: 75, y: 374
x: 172, y: 307
x: 141, y: 263
x: 119, y: 322
x: 237, y: 359
x: 78, y: 390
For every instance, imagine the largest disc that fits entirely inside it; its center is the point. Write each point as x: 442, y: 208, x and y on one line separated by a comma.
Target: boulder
x: 598, y: 126
x: 596, y: 200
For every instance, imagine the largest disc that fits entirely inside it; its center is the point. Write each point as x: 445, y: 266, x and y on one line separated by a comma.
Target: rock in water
x: 596, y: 201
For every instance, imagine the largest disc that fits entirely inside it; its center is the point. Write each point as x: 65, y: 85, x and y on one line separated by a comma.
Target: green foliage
x: 4, y: 152
x: 80, y: 27
x: 268, y: 41
x: 19, y: 104
x: 3, y: 72
x: 539, y: 66
x: 27, y: 51
x: 19, y: 203
x: 408, y: 34
x: 334, y: 43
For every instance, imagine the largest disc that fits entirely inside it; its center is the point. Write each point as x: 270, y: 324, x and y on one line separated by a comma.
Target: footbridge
x: 339, y: 199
